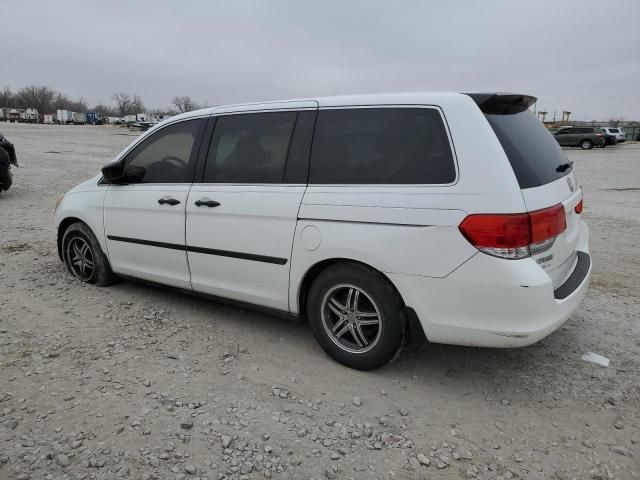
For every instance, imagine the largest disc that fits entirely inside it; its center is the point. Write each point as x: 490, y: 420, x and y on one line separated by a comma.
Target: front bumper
x: 491, y: 302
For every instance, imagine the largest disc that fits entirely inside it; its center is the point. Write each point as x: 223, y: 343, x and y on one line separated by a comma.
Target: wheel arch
x: 64, y: 224
x: 415, y: 334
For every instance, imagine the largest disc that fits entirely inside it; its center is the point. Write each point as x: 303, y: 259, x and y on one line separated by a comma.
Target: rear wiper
x: 564, y: 167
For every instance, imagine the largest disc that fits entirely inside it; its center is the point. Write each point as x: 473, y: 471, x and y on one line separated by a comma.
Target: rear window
x: 381, y: 146
x: 614, y: 130
x: 532, y: 151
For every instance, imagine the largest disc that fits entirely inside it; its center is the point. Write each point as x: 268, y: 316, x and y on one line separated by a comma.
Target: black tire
x: 586, y: 144
x: 377, y: 296
x: 78, y: 238
x: 5, y: 170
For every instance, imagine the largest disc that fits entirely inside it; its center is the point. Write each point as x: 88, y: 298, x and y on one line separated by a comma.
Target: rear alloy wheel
x: 586, y: 144
x: 84, y: 258
x: 351, y: 318
x: 356, y: 316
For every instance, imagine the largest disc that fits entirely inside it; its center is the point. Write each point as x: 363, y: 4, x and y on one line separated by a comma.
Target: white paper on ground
x: 595, y: 358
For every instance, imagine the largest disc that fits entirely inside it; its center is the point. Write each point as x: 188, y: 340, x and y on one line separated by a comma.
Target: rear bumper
x: 491, y: 302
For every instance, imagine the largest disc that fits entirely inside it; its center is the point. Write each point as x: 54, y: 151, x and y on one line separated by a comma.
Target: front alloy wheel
x: 83, y: 256
x: 80, y: 258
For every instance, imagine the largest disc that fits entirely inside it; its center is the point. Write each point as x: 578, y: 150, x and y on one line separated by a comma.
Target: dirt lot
x: 135, y: 381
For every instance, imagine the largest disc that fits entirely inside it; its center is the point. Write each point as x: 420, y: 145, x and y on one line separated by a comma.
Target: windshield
x: 535, y: 156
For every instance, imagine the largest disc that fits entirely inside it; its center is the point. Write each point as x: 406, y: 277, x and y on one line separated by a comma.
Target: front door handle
x: 168, y: 200
x: 206, y: 203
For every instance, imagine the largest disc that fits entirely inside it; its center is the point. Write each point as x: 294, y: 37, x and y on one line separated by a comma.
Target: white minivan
x: 379, y: 219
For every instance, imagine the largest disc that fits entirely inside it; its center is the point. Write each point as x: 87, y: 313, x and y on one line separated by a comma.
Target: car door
x: 567, y: 137
x: 563, y: 136
x: 242, y: 212
x: 144, y: 220
x: 578, y: 134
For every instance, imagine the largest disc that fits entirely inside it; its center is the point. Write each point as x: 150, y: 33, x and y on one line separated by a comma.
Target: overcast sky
x: 582, y: 56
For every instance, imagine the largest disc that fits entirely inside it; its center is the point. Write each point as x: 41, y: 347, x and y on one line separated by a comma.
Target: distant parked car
x: 609, y: 138
x: 583, y: 137
x: 618, y: 132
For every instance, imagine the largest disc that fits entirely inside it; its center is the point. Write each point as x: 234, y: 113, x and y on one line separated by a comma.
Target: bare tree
x: 61, y: 102
x: 127, y: 105
x: 170, y: 112
x: 105, y: 110
x: 184, y: 104
x: 6, y: 97
x: 123, y: 103
x: 36, y: 96
x: 79, y: 105
x: 136, y: 104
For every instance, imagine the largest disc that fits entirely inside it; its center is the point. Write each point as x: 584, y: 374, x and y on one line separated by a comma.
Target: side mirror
x: 115, y: 172
x: 134, y: 174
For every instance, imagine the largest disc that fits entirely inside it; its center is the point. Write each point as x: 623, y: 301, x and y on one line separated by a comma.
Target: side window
x: 167, y: 156
x: 562, y: 132
x: 381, y: 146
x: 249, y: 148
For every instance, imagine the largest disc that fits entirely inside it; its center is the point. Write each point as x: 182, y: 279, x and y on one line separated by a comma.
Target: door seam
x: 293, y: 242
x: 186, y: 252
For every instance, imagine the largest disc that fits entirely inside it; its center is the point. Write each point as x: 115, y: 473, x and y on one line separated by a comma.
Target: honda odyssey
x: 378, y: 219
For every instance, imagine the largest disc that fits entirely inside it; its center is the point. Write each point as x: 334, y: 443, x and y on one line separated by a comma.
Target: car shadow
x: 549, y: 365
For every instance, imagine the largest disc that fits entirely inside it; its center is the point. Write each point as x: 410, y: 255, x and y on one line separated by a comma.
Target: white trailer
x: 14, y: 114
x: 30, y: 115
x: 158, y: 118
x: 79, y: 118
x: 138, y: 117
x: 48, y: 118
x: 64, y: 116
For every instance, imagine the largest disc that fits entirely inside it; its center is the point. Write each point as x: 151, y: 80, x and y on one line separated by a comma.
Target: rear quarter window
x: 532, y: 151
x: 381, y: 146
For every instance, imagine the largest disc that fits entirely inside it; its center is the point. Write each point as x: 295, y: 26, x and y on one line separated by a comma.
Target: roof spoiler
x: 502, y: 103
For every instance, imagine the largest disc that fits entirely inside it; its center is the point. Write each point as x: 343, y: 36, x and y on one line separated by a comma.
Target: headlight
x: 60, y: 198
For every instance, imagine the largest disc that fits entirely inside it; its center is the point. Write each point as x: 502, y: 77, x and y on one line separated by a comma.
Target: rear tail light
x: 515, y: 235
x: 578, y: 207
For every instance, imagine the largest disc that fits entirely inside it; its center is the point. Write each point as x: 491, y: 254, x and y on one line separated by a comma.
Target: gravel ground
x: 135, y: 381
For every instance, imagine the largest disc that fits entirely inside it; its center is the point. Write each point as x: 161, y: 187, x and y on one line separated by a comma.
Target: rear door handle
x: 168, y: 200
x: 205, y: 202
